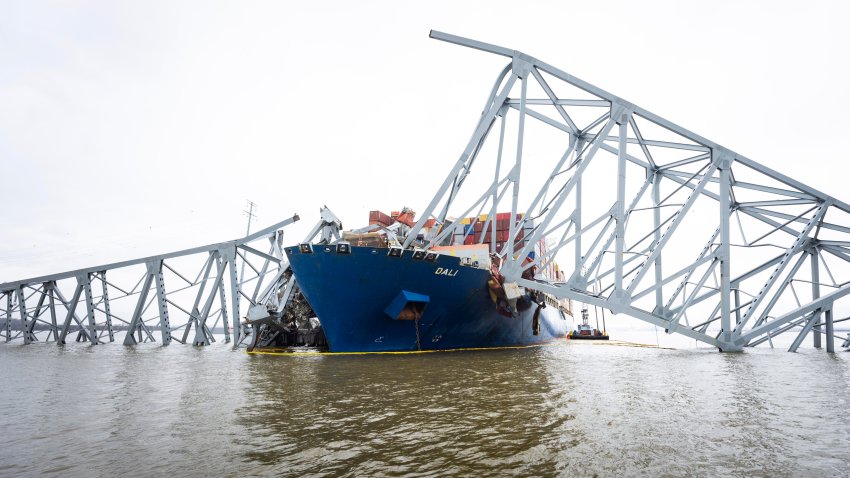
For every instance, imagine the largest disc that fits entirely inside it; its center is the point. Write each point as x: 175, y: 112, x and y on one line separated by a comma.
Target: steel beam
x: 203, y: 336
x: 49, y: 286
x: 8, y: 315
x: 106, y: 307
x: 117, y: 265
x: 724, y: 254
x: 659, y: 246
x: 830, y: 332
x: 798, y: 245
x: 656, y: 231
x: 136, y: 321
x: 155, y: 270
x: 22, y: 309
x: 194, y: 317
x: 815, y: 295
x: 31, y: 325
x: 71, y: 308
x: 620, y: 206
x: 134, y: 298
x: 234, y: 299
x: 806, y: 329
x: 85, y: 280
x: 222, y: 300
x: 766, y: 208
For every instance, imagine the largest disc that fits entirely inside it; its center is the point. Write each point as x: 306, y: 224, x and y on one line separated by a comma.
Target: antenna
x: 251, y: 215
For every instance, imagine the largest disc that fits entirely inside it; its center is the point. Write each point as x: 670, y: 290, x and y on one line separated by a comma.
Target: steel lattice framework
x: 147, y: 295
x: 649, y: 219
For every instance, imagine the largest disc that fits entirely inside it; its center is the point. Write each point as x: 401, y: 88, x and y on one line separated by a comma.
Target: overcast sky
x: 133, y: 128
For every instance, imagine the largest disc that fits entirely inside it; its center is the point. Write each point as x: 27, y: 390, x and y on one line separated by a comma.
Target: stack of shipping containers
x: 469, y: 231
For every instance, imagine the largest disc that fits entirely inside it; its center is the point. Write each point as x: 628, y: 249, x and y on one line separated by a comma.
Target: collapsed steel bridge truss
x: 187, y: 296
x: 645, y: 217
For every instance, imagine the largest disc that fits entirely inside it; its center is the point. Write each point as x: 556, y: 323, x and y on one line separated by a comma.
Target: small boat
x: 585, y: 331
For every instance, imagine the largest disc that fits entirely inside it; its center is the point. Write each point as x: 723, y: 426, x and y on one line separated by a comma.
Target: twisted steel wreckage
x: 647, y: 219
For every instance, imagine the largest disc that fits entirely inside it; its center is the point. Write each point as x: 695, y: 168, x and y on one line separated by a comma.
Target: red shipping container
x: 378, y: 216
x: 469, y: 240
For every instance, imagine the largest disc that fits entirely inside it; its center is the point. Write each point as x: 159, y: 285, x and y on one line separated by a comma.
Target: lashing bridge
x: 645, y: 218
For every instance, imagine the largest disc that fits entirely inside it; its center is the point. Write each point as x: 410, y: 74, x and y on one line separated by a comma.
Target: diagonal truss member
x: 646, y: 218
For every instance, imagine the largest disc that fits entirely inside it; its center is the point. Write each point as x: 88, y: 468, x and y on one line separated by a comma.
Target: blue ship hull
x: 357, y: 296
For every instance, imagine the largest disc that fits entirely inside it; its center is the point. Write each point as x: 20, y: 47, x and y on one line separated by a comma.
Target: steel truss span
x: 183, y: 296
x: 647, y: 218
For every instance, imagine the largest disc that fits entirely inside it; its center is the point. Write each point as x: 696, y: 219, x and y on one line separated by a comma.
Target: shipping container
x: 377, y: 217
x: 369, y: 239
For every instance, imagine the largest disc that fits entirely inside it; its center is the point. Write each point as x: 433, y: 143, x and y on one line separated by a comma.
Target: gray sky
x: 132, y: 128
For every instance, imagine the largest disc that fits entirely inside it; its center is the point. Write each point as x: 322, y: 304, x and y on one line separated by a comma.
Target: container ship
x: 371, y: 295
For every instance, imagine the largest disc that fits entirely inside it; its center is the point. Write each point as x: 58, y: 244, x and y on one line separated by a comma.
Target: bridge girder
x: 646, y: 217
x: 148, y: 294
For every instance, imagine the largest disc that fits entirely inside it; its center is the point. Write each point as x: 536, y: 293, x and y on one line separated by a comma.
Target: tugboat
x: 585, y: 332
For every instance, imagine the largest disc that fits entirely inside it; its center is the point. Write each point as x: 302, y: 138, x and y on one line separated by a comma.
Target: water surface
x: 575, y: 409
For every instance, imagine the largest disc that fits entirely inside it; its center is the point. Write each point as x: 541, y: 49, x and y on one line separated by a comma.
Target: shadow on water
x: 423, y: 414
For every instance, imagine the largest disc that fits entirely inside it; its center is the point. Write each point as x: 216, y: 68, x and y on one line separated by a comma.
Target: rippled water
x: 568, y: 409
